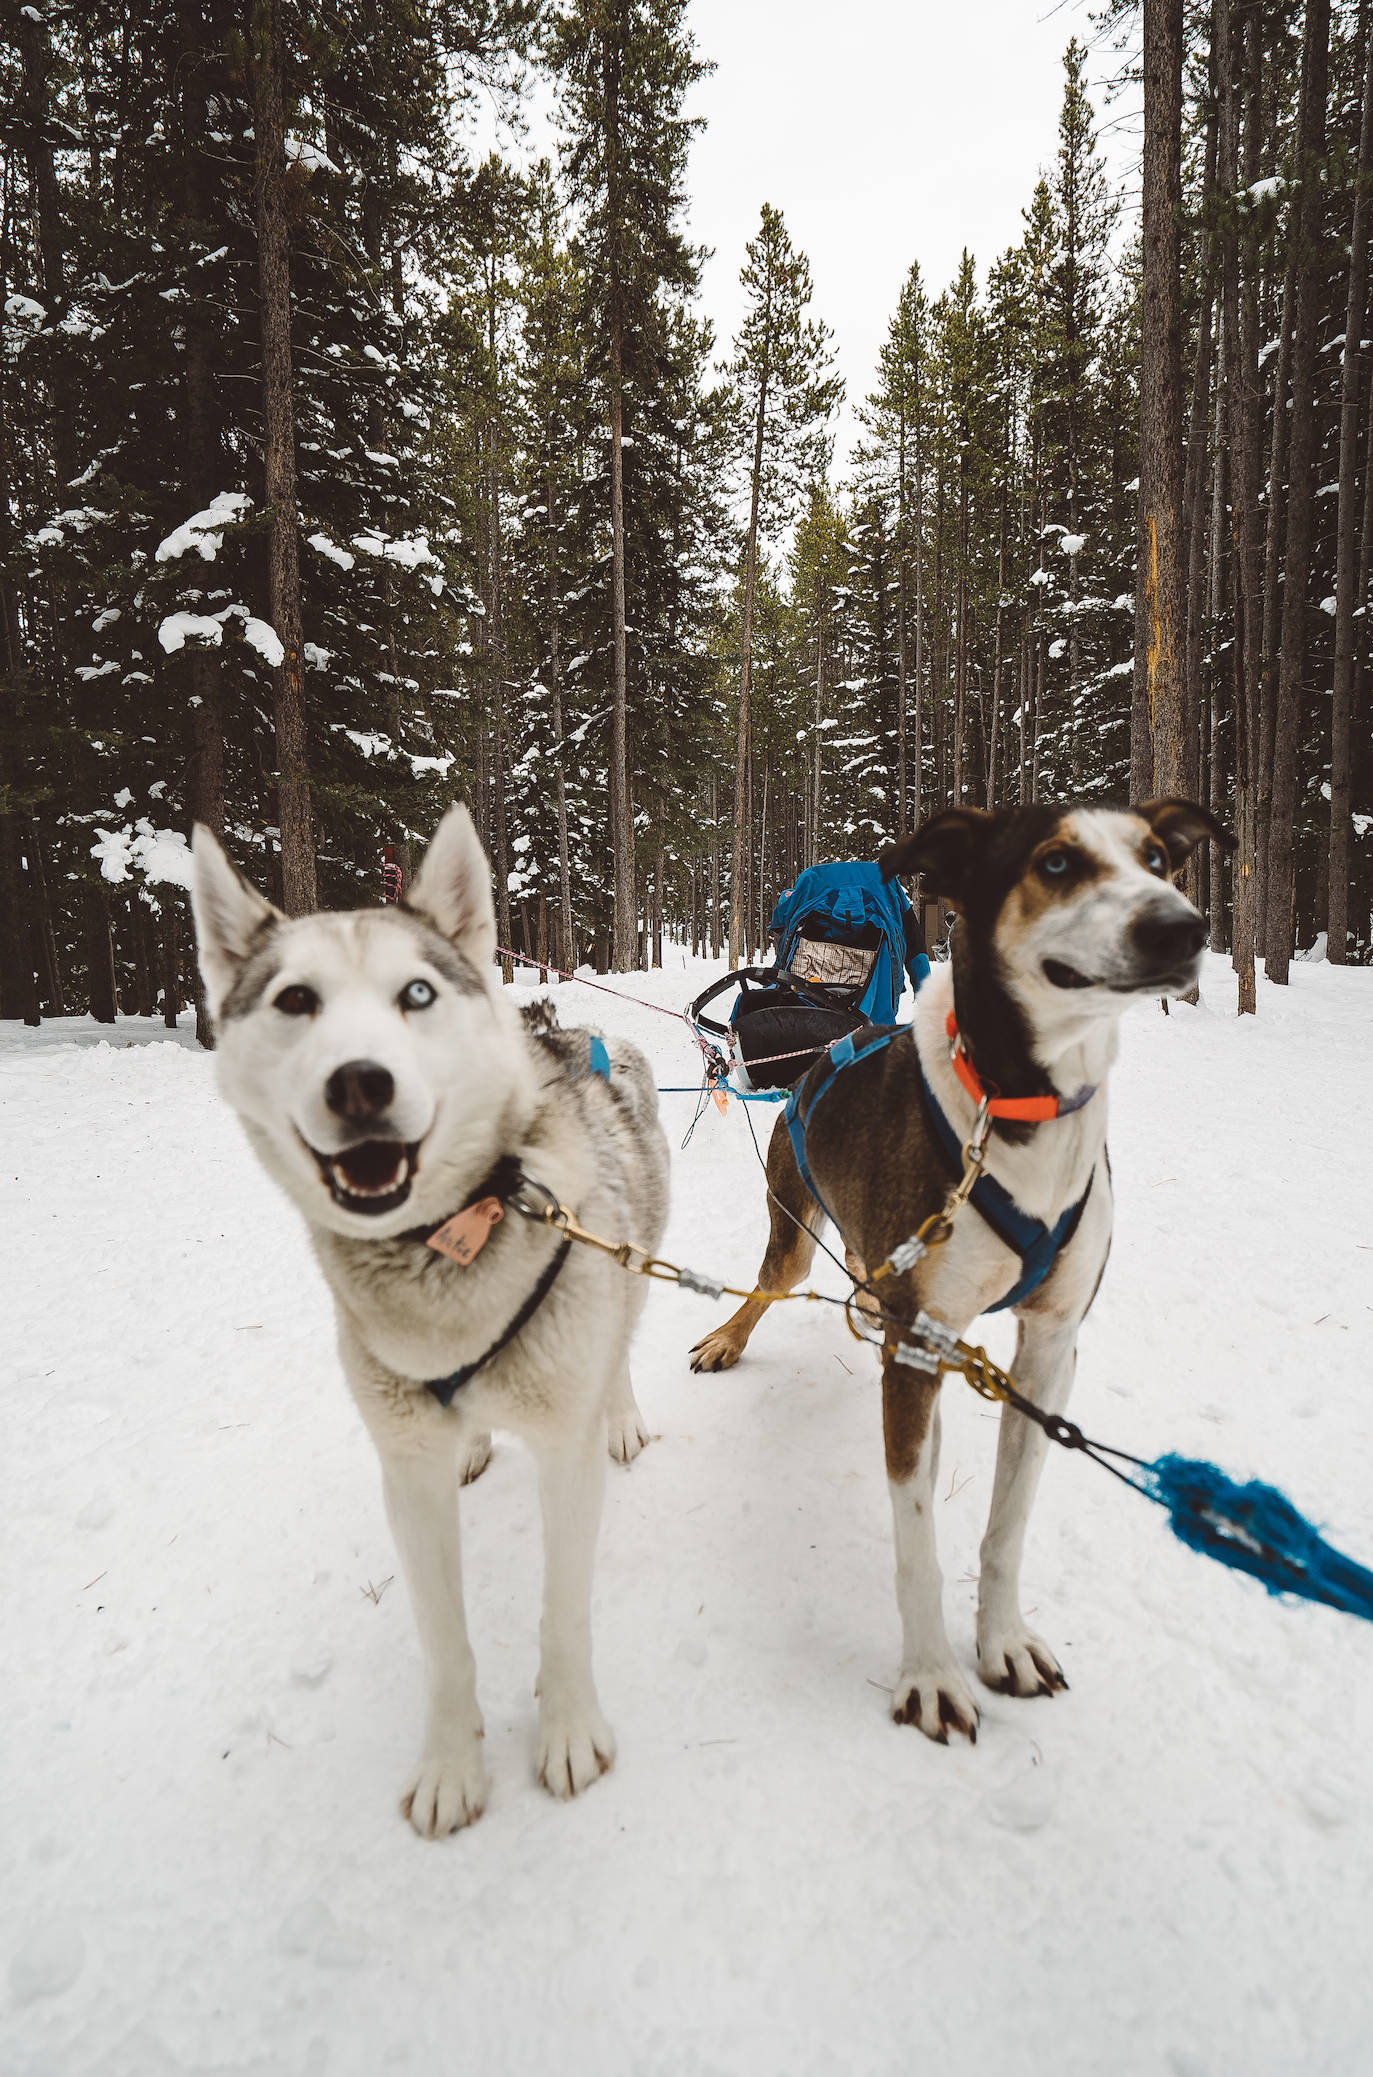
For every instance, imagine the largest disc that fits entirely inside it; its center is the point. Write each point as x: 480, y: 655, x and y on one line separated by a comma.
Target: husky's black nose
x: 1166, y: 938
x: 360, y: 1089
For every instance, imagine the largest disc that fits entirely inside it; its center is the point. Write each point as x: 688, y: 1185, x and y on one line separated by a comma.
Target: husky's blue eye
x: 1156, y: 858
x: 297, y: 1001
x: 1055, y: 865
x: 417, y: 995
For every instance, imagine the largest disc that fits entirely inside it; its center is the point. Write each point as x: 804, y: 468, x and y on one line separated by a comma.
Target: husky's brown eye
x: 417, y: 995
x: 1055, y: 865
x: 296, y: 1001
x: 1156, y: 858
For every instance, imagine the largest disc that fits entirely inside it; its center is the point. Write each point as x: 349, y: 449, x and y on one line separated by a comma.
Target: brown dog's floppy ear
x: 941, y: 851
x: 1181, y: 825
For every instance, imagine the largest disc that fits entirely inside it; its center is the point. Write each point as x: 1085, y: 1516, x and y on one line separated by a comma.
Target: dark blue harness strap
x: 1037, y: 1245
x: 854, y: 1045
x: 443, y: 1388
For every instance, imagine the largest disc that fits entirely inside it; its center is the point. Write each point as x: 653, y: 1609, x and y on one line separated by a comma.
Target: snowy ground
x: 212, y: 1690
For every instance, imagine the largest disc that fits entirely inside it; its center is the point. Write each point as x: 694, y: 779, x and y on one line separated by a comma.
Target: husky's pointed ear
x: 942, y: 851
x: 1181, y: 825
x: 229, y: 915
x: 453, y: 888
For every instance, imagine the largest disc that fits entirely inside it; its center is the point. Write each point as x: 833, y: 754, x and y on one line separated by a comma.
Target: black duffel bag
x: 780, y: 1024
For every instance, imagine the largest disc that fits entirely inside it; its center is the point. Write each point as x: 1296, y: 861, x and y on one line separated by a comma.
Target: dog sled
x: 845, y: 939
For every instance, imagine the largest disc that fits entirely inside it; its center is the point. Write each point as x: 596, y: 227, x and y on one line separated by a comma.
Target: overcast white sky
x: 885, y: 131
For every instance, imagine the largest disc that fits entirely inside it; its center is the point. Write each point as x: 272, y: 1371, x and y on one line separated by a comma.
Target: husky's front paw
x: 448, y: 1791
x: 1016, y: 1662
x: 626, y: 1433
x: 936, y: 1700
x: 575, y: 1748
x: 473, y: 1459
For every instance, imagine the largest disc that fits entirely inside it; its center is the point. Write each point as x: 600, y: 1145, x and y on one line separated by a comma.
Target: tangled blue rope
x: 1255, y: 1529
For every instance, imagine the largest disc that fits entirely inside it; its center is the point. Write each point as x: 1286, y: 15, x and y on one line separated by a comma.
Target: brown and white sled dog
x: 384, y: 1081
x: 1065, y: 917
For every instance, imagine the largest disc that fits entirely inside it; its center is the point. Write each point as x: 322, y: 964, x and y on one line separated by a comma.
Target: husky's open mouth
x: 372, y: 1177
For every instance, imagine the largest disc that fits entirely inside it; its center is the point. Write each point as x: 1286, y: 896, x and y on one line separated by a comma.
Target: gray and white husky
x: 386, y: 1083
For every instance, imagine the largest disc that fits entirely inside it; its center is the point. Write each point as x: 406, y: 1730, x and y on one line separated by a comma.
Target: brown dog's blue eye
x: 417, y: 995
x: 297, y: 1001
x: 1055, y: 865
x: 1156, y: 858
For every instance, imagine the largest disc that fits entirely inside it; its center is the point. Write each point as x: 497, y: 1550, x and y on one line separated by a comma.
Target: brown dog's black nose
x: 359, y: 1090
x: 1166, y: 939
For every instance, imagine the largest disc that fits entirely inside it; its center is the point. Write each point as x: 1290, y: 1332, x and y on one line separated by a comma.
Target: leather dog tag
x: 463, y: 1237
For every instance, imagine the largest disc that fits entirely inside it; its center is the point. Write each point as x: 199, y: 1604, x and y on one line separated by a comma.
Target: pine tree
x: 625, y: 67
x: 786, y: 394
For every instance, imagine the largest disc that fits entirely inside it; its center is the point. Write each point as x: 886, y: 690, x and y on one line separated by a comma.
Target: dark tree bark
x: 1241, y: 67
x: 18, y: 975
x: 1271, y: 630
x: 1160, y: 625
x: 279, y: 457
x: 1205, y: 381
x: 171, y: 962
x: 203, y: 450
x: 1347, y: 553
x: 100, y: 954
x: 1305, y: 232
x: 901, y: 823
x: 565, y: 949
x: 738, y: 908
x: 621, y: 810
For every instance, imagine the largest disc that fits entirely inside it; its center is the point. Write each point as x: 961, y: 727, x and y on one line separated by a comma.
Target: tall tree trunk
x: 1347, y: 554
x: 917, y: 732
x: 1200, y: 605
x: 555, y: 677
x: 1240, y: 403
x: 1305, y: 232
x: 1216, y: 760
x: 817, y: 741
x: 18, y: 970
x: 171, y: 962
x: 1272, y: 593
x: 99, y: 952
x: 960, y: 600
x: 716, y: 936
x: 49, y: 971
x: 738, y: 888
x: 901, y: 624
x: 1159, y: 598
x: 493, y: 576
x: 621, y: 809
x: 205, y: 773
x: 279, y: 458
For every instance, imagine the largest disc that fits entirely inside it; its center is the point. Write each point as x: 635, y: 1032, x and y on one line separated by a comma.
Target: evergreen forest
x: 346, y: 471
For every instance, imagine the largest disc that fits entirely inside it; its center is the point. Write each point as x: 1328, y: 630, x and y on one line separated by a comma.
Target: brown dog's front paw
x: 936, y: 1703
x: 718, y: 1350
x: 1021, y: 1665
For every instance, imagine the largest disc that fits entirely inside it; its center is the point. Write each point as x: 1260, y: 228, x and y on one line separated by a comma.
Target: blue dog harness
x: 1037, y: 1245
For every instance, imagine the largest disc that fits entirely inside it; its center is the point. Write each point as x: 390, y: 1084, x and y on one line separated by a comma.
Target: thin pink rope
x: 623, y: 995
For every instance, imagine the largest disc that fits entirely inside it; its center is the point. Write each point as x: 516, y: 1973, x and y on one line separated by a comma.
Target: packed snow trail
x: 213, y: 1687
